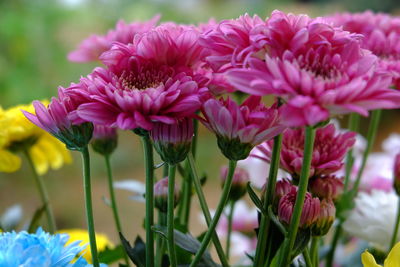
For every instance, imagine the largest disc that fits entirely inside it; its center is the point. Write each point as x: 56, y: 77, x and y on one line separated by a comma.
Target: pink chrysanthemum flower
x: 145, y: 82
x: 330, y: 148
x: 381, y: 36
x: 240, y: 128
x: 58, y: 119
x: 229, y: 43
x: 91, y: 48
x: 318, y: 70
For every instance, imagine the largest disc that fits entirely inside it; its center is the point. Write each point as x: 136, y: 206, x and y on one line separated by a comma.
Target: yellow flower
x: 102, y: 241
x: 17, y: 133
x: 392, y: 260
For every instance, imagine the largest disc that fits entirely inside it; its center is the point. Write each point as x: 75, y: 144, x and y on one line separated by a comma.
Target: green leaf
x: 138, y: 253
x: 254, y: 197
x: 188, y: 243
x: 108, y: 255
x: 34, y: 224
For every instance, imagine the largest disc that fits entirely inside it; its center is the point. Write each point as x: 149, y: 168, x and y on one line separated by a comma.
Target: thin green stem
x: 113, y: 201
x: 88, y: 204
x: 314, y: 250
x: 301, y: 193
x: 205, y: 209
x: 160, y: 241
x: 149, y: 221
x: 353, y: 125
x: 42, y: 192
x: 170, y: 215
x: 268, y: 197
x: 184, y: 207
x: 396, y: 227
x: 335, y: 240
x: 307, y: 258
x: 222, y: 203
x: 230, y: 220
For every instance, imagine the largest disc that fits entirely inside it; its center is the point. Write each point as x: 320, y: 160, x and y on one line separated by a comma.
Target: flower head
x: 39, y: 249
x: 18, y: 134
x: 149, y: 81
x: 282, y: 188
x: 239, y: 182
x: 326, y: 187
x: 173, y: 141
x: 325, y: 218
x: 240, y: 128
x: 161, y: 194
x: 91, y: 48
x: 330, y: 148
x: 317, y: 69
x: 309, y: 214
x: 58, y: 119
x: 381, y: 35
x: 105, y: 139
x: 80, y: 236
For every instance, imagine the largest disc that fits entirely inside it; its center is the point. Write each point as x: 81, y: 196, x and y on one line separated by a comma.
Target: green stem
x: 222, y: 203
x: 160, y: 241
x: 170, y: 215
x: 230, y: 220
x: 113, y: 201
x: 353, y: 125
x: 331, y: 254
x: 372, y: 130
x: 42, y: 192
x: 307, y: 258
x: 396, y: 227
x: 301, y: 193
x: 268, y: 198
x: 314, y: 250
x: 184, y: 207
x: 205, y: 209
x: 149, y: 222
x: 88, y: 204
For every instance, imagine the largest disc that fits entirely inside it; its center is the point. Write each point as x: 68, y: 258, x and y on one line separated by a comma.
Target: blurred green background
x: 35, y: 37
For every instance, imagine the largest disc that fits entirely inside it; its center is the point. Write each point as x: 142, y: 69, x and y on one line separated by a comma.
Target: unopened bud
x: 327, y: 187
x: 239, y: 182
x: 325, y: 219
x: 104, y: 140
x: 396, y: 174
x: 161, y: 195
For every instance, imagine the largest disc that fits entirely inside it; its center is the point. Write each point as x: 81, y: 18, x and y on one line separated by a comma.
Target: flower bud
x: 161, y: 195
x: 172, y: 141
x: 104, y: 139
x: 239, y: 182
x: 396, y: 174
x: 325, y: 219
x: 282, y: 187
x: 309, y: 214
x: 326, y: 187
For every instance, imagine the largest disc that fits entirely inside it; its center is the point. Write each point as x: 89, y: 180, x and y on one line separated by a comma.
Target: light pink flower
x: 330, y: 148
x: 242, y: 126
x: 309, y: 214
x: 91, y: 48
x: 381, y: 35
x: 318, y: 70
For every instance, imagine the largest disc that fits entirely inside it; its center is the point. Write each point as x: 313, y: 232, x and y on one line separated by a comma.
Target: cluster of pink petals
x: 327, y: 187
x: 230, y: 44
x: 145, y: 82
x: 381, y: 35
x: 330, y: 148
x: 250, y: 123
x: 178, y: 133
x: 91, y: 48
x: 317, y: 69
x: 309, y: 214
x: 104, y: 132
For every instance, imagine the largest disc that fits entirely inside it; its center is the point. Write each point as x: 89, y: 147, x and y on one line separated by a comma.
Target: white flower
x: 373, y: 218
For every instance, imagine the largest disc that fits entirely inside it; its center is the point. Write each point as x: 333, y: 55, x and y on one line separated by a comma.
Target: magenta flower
x: 143, y: 82
x: 318, y: 70
x: 240, y: 128
x: 326, y: 187
x: 173, y: 141
x: 58, y: 119
x: 330, y: 148
x: 396, y: 174
x: 381, y: 35
x: 91, y: 48
x: 309, y: 214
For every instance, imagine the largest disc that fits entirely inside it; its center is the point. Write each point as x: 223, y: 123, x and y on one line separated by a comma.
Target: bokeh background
x: 35, y: 37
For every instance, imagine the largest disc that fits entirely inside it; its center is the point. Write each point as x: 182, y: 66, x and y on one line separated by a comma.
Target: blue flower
x: 39, y: 249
